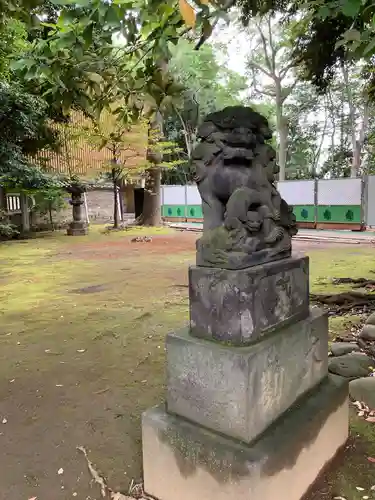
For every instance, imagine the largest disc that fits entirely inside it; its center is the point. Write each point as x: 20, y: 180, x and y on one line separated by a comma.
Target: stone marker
x: 78, y: 226
x: 251, y: 412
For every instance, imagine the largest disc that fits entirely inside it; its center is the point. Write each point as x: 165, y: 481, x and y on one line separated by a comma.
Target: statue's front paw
x: 274, y: 235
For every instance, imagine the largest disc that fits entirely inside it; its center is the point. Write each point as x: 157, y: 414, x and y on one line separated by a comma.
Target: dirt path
x: 82, y: 356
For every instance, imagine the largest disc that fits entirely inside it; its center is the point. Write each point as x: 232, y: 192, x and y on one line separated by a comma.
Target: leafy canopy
x: 24, y: 133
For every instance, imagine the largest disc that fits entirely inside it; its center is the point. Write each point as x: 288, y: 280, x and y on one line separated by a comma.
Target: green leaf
x: 323, y: 12
x: 352, y: 35
x: 351, y: 8
x: 370, y: 48
x: 66, y: 17
x: 111, y: 17
x: 95, y: 77
x: 63, y: 2
x: 87, y: 34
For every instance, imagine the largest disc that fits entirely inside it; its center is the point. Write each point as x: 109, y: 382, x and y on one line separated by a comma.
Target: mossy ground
x: 83, y: 322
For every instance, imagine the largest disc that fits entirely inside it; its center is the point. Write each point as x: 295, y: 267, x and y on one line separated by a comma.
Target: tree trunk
x: 151, y: 203
x: 361, y: 138
x: 3, y: 200
x: 151, y: 215
x: 121, y: 202
x: 25, y: 214
x: 282, y: 131
x: 356, y: 160
x: 115, y: 202
x: 50, y: 215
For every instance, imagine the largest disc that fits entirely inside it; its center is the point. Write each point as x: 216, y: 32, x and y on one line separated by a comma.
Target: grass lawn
x: 83, y: 322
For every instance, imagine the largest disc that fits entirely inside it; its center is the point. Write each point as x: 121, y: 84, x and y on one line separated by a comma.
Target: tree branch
x: 285, y: 70
x: 287, y: 91
x: 257, y: 66
x: 272, y: 47
x: 265, y: 51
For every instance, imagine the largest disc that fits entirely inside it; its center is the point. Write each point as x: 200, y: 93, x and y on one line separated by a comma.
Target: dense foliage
x: 24, y: 132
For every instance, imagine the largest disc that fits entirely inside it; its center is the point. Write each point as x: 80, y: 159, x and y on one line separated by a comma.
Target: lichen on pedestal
x: 246, y: 222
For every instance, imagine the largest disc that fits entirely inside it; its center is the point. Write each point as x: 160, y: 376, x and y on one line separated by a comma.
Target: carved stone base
x: 239, y: 307
x: 76, y: 228
x: 240, y: 391
x: 184, y: 461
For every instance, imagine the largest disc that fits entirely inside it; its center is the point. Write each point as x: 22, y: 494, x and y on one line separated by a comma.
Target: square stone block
x: 239, y: 391
x: 238, y: 307
x: 185, y: 461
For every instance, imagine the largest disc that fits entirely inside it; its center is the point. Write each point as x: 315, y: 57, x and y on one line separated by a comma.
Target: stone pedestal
x: 78, y: 226
x: 240, y: 391
x: 185, y: 461
x: 250, y: 411
x: 239, y: 307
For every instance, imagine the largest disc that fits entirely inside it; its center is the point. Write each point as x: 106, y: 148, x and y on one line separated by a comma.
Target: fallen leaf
x: 33, y: 498
x: 371, y: 459
x: 11, y: 381
x: 4, y: 421
x: 359, y: 488
x: 81, y: 350
x: 60, y: 471
x: 365, y: 498
x: 370, y: 419
x: 372, y: 488
x: 339, y: 498
x: 361, y: 413
x: 59, y: 385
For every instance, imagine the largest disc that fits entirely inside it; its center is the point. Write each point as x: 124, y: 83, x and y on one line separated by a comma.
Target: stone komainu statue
x: 246, y: 222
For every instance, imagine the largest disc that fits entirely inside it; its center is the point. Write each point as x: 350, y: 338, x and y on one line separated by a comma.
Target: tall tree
x: 125, y: 140
x: 271, y: 72
x: 24, y: 133
x: 208, y: 86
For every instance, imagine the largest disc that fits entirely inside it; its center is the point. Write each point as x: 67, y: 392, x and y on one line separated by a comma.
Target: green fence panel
x: 304, y: 213
x: 344, y: 214
x: 173, y: 211
x: 194, y: 212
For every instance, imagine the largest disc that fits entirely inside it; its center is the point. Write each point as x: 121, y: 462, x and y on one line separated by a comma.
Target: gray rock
x: 341, y: 348
x: 371, y: 319
x: 353, y: 365
x: 363, y: 389
x: 368, y: 332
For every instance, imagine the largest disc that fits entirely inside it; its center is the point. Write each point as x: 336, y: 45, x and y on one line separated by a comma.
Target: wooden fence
x: 79, y: 151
